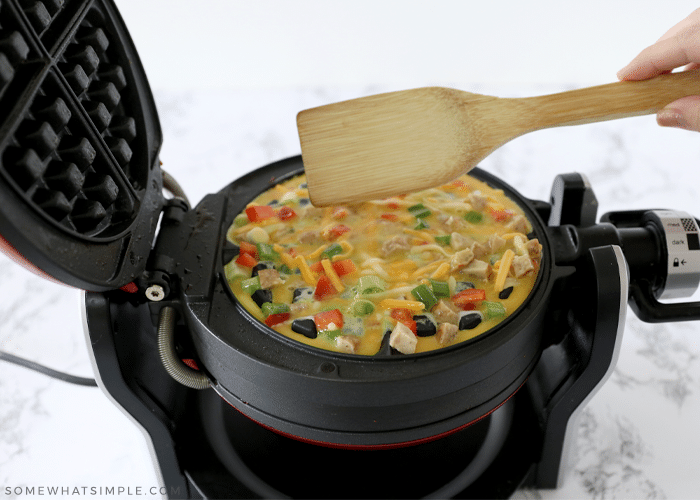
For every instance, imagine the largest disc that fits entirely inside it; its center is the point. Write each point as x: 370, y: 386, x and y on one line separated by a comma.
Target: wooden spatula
x: 398, y: 142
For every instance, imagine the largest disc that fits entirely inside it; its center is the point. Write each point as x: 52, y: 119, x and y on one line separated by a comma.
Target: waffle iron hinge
x: 158, y: 278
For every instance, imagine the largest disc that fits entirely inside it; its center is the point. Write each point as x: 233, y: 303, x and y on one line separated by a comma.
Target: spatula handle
x: 611, y: 101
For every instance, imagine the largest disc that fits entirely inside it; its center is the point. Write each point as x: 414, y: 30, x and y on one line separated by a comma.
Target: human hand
x: 680, y: 46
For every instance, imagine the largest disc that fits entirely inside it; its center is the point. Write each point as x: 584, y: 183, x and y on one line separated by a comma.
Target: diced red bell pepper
x: 401, y: 314
x: 256, y: 213
x: 274, y: 319
x: 392, y: 205
x: 502, y: 215
x: 336, y: 231
x: 340, y: 213
x: 285, y: 213
x: 411, y: 325
x: 391, y: 217
x: 324, y: 288
x: 466, y: 298
x: 248, y: 248
x: 246, y: 260
x: 329, y: 320
x: 343, y: 267
x: 317, y: 267
x: 461, y: 185
x: 405, y: 316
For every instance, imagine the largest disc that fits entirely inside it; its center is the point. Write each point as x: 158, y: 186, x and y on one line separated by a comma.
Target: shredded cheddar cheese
x: 332, y: 275
x: 306, y: 272
x: 503, y: 270
x: 411, y: 305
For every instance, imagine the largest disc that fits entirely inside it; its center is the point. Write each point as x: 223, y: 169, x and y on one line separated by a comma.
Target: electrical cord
x: 173, y: 187
x: 44, y: 370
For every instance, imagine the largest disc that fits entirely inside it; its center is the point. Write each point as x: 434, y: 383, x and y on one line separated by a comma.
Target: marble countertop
x: 637, y: 438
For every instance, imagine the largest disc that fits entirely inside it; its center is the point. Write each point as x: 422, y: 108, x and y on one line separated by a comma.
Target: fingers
x: 665, y: 55
x: 683, y: 113
x: 693, y: 18
x: 678, y: 47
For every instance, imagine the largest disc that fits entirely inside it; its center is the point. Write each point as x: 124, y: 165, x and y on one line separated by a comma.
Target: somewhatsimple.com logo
x: 92, y: 491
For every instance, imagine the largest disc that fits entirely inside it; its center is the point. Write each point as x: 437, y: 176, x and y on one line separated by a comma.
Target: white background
x: 301, y: 43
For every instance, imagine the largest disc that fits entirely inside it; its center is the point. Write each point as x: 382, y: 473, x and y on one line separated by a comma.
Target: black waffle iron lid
x: 80, y: 181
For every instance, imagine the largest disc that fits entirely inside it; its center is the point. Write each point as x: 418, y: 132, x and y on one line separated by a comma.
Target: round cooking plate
x: 357, y: 400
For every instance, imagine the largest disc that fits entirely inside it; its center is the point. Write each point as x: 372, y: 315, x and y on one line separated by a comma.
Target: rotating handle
x: 675, y: 270
x: 648, y: 309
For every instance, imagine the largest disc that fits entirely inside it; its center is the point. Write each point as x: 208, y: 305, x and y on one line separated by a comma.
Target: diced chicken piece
x: 518, y: 224
x: 257, y: 235
x: 348, y: 343
x: 309, y: 237
x: 461, y: 259
x: 454, y: 223
x: 534, y: 248
x: 269, y: 278
x: 479, y: 250
x: 289, y: 196
x: 478, y: 269
x: 444, y: 312
x: 398, y: 243
x: 297, y: 307
x: 312, y: 212
x: 460, y: 242
x: 522, y: 264
x: 477, y: 199
x: 496, y: 243
x: 340, y: 213
x: 402, y: 339
x: 446, y: 333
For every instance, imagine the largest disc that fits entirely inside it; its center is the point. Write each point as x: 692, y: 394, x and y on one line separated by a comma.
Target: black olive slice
x: 470, y: 320
x: 505, y: 293
x: 385, y: 348
x: 261, y: 296
x: 303, y: 293
x: 262, y: 265
x: 425, y: 326
x: 463, y: 285
x: 306, y: 327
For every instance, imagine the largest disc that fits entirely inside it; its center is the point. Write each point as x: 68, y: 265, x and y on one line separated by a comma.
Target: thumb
x: 683, y: 113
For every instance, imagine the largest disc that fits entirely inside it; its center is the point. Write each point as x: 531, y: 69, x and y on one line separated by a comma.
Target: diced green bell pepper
x: 270, y: 308
x: 443, y: 240
x: 334, y: 249
x: 440, y: 288
x: 241, y: 220
x: 266, y: 252
x: 420, y: 211
x: 421, y: 225
x: 493, y: 309
x: 251, y: 285
x: 423, y: 293
x: 331, y: 334
x: 370, y: 284
x: 473, y: 216
x: 235, y: 272
x: 362, y: 307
